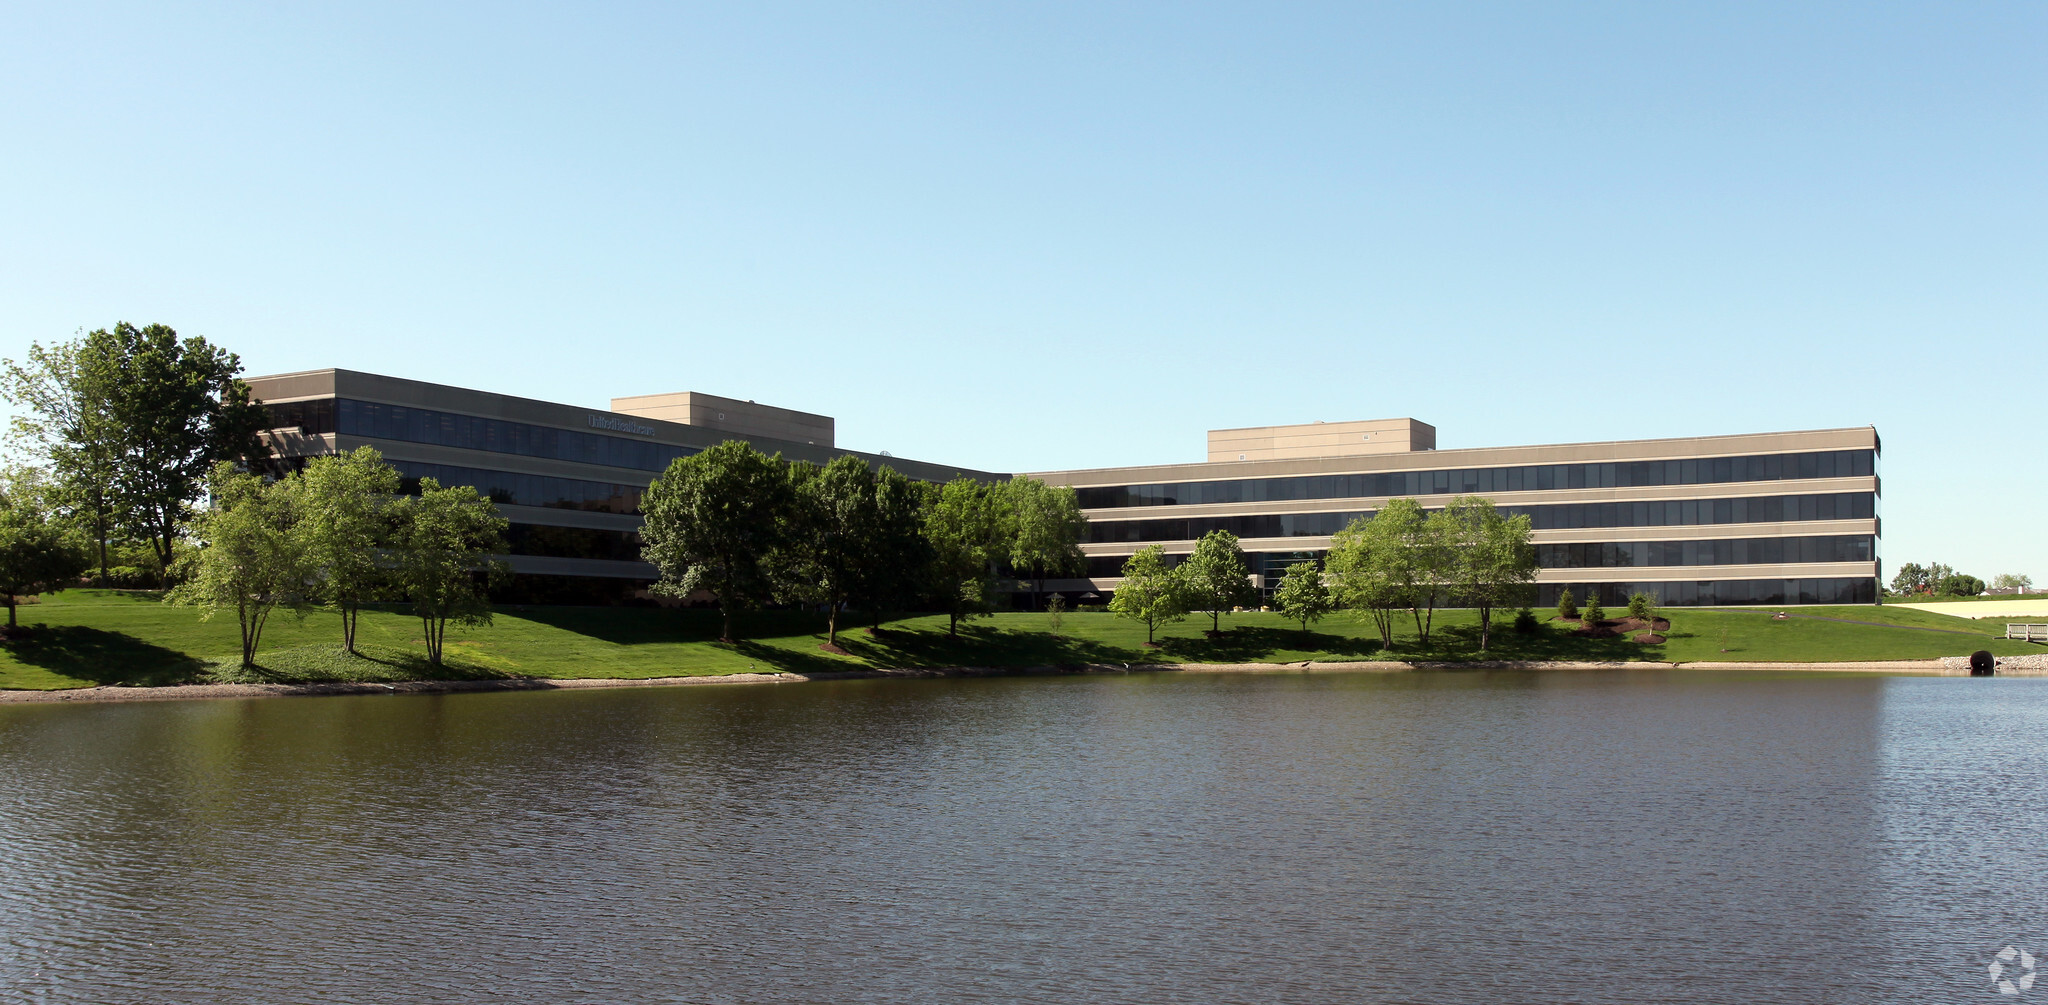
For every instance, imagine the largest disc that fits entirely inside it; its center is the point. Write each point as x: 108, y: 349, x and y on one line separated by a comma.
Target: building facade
x: 568, y: 479
x: 1768, y: 518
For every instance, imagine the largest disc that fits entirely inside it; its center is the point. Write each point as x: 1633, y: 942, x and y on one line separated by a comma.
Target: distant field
x: 2032, y: 607
x: 91, y: 637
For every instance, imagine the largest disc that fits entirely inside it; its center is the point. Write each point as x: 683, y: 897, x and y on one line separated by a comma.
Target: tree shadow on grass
x: 628, y: 626
x: 103, y: 657
x: 1260, y: 644
x: 1460, y: 643
x: 980, y: 645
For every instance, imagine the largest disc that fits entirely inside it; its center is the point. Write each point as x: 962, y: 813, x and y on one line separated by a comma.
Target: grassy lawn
x: 89, y: 637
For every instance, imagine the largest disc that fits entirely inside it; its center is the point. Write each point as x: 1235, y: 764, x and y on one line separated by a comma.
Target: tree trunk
x: 725, y: 633
x: 10, y: 610
x: 348, y: 628
x: 953, y: 624
x: 1485, y: 625
x: 831, y: 623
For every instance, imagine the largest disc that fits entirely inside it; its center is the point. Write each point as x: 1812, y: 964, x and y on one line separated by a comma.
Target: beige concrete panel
x: 555, y: 516
x: 401, y: 450
x: 1321, y: 439
x: 292, y: 386
x: 547, y: 565
x: 1685, y: 573
x: 742, y: 418
x: 1856, y: 438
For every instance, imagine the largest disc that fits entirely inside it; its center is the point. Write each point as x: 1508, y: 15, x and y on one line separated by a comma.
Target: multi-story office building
x: 568, y: 479
x: 1769, y: 518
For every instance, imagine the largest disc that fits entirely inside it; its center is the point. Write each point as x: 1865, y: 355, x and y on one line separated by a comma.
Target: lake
x: 1480, y: 836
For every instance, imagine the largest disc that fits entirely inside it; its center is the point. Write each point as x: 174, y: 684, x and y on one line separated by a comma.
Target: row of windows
x: 1734, y: 551
x: 1698, y: 471
x: 528, y: 490
x: 573, y: 542
x: 1721, y: 592
x: 1677, y: 513
x: 470, y: 432
x: 1602, y: 554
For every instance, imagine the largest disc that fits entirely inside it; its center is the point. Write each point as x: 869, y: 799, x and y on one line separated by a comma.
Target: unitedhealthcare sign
x: 618, y: 425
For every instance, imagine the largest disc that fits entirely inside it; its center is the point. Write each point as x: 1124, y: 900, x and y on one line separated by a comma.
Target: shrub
x: 1593, y: 612
x: 1526, y: 623
x: 1642, y: 607
x: 1567, y: 605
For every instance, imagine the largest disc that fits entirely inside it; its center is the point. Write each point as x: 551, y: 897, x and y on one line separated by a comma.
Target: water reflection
x: 1480, y: 836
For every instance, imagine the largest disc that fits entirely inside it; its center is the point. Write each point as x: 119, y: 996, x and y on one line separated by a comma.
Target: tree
x: 1959, y: 585
x: 68, y: 390
x: 1490, y: 558
x: 1150, y: 592
x: 1367, y: 570
x: 345, y: 519
x: 965, y: 526
x: 1048, y: 527
x: 142, y: 414
x: 1567, y: 605
x: 1301, y: 595
x: 36, y: 555
x: 1912, y: 578
x: 898, y: 551
x: 443, y: 543
x: 249, y: 560
x: 830, y: 533
x: 712, y: 519
x: 2016, y: 582
x: 1642, y: 606
x: 1216, y: 576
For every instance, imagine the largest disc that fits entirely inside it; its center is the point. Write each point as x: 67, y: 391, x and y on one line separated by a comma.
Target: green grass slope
x: 90, y: 637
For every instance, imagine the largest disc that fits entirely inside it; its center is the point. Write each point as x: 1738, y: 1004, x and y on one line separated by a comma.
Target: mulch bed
x: 834, y: 648
x: 1633, y: 628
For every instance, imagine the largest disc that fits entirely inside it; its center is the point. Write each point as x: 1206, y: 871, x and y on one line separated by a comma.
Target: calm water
x: 1450, y: 837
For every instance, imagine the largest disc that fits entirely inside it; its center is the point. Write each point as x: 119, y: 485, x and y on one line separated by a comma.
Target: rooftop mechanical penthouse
x: 1764, y: 518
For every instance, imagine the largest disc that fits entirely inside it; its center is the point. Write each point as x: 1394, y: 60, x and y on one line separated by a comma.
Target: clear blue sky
x: 1042, y: 235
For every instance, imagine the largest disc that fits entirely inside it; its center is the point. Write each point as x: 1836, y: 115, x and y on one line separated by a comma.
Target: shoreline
x: 196, y: 692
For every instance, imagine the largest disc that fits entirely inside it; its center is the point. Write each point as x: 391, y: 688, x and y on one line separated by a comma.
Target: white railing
x: 2027, y: 633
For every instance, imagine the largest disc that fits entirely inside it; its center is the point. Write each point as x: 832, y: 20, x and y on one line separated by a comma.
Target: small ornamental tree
x: 1301, y: 595
x: 1217, y: 577
x: 1642, y: 606
x: 1592, y: 615
x: 443, y: 545
x: 1150, y: 592
x: 345, y: 520
x: 1367, y: 571
x: 35, y: 554
x: 1567, y: 605
x: 1055, y: 611
x: 250, y: 559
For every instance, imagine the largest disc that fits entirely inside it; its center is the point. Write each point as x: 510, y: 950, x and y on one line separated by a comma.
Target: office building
x: 568, y: 479
x: 1768, y: 518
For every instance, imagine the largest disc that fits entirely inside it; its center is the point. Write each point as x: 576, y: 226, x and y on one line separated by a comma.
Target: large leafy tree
x: 250, y: 560
x: 1489, y: 559
x: 1150, y: 592
x: 712, y: 521
x: 830, y: 535
x: 1046, y: 527
x: 134, y: 419
x: 68, y: 391
x: 444, y: 540
x: 345, y: 519
x: 1301, y: 595
x: 36, y: 555
x: 1217, y: 576
x: 966, y: 527
x: 889, y: 578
